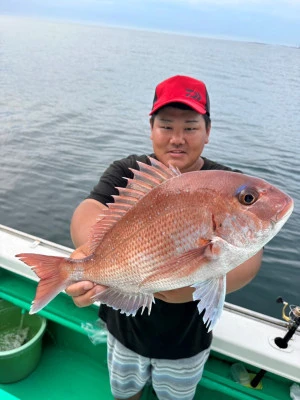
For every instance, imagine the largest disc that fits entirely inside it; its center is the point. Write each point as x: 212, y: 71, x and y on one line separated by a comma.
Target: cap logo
x: 193, y: 94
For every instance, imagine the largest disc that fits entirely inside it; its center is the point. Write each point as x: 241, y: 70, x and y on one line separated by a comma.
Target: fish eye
x: 248, y: 196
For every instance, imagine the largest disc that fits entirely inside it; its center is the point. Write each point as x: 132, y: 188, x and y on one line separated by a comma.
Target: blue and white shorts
x: 171, y: 379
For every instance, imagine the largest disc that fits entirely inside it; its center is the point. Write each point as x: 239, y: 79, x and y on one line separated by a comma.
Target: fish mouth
x: 285, y: 212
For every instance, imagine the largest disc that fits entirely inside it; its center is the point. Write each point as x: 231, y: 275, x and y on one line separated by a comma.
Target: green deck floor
x: 63, y: 374
x: 68, y: 374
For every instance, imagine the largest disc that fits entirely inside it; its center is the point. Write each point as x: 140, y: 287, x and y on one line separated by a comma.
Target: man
x: 171, y: 345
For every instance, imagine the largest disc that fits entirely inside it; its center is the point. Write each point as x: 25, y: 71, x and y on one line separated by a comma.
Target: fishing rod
x: 293, y: 320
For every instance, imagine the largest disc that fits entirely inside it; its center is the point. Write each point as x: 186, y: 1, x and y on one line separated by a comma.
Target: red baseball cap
x: 182, y: 89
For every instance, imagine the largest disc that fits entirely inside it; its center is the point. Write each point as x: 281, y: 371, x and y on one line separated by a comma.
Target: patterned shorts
x: 171, y: 379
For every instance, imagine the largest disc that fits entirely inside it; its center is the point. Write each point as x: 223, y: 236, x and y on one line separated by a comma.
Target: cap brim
x: 197, y: 107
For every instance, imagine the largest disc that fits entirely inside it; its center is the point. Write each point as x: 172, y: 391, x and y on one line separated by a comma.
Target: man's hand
x: 83, y: 291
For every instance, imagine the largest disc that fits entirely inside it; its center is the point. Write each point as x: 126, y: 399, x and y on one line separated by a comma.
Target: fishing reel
x: 293, y: 320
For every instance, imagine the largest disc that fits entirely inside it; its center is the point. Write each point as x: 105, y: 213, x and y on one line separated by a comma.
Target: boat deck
x: 66, y: 373
x: 72, y: 367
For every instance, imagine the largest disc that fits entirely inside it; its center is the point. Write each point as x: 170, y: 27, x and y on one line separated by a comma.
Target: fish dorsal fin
x: 144, y: 180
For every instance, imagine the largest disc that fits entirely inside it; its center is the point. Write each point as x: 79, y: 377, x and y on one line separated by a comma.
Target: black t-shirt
x: 171, y: 331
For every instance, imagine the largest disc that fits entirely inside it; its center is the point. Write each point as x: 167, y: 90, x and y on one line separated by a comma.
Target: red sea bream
x: 168, y: 230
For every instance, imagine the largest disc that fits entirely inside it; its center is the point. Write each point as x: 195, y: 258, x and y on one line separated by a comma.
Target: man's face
x: 178, y: 137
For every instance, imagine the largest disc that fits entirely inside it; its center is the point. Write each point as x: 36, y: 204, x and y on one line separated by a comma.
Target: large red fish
x: 168, y: 230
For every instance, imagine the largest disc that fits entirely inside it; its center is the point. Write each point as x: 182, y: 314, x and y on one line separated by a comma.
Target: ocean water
x: 75, y: 97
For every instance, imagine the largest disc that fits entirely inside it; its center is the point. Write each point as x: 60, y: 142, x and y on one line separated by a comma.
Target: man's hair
x: 181, y: 106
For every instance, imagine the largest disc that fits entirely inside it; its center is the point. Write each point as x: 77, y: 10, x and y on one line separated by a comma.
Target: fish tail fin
x: 53, y: 277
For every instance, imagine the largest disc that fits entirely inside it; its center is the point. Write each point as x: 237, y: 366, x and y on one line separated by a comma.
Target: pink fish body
x: 168, y: 230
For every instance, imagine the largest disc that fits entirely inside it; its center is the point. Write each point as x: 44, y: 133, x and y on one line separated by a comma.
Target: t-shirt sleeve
x: 115, y: 176
x: 212, y: 165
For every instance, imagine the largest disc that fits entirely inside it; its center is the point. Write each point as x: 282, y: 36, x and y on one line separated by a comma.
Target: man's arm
x: 83, y: 219
x: 244, y: 273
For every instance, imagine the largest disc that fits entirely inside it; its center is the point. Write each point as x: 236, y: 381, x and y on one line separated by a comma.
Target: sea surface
x: 75, y: 97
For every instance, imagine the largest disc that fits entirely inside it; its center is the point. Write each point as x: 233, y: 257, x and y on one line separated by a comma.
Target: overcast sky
x: 270, y: 21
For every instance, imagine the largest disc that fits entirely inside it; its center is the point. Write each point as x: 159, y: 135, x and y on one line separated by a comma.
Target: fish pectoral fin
x: 211, y: 294
x: 127, y: 303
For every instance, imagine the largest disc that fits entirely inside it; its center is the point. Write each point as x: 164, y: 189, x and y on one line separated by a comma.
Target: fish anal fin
x: 127, y: 303
x: 211, y: 296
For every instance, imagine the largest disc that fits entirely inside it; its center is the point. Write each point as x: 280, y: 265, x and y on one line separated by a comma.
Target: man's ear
x: 208, y: 133
x: 151, y: 122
